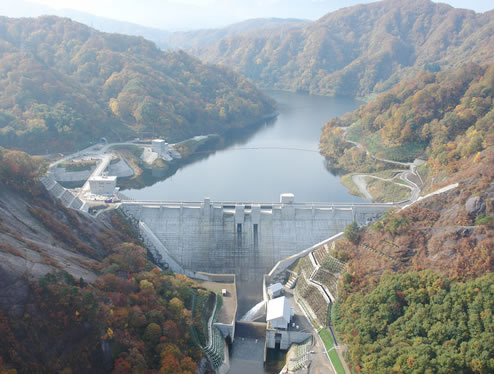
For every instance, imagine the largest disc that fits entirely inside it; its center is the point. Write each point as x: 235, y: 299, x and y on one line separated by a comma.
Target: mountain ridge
x: 360, y: 50
x: 162, y: 37
x: 202, y: 38
x: 60, y: 78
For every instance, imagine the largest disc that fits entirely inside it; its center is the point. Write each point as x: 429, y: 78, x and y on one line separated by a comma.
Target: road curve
x: 360, y: 182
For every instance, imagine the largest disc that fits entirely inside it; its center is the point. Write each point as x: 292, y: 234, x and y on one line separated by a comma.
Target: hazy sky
x: 186, y: 14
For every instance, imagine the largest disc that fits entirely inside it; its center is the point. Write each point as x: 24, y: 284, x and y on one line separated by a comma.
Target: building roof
x: 275, y: 288
x: 279, y: 308
x: 103, y: 178
x: 158, y: 141
x: 288, y: 194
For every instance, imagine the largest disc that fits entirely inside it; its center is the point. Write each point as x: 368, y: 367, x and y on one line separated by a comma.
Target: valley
x: 302, y: 196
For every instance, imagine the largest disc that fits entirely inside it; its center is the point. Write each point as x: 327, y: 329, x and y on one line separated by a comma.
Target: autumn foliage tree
x: 442, y: 116
x: 420, y: 322
x: 64, y: 85
x: 18, y: 171
x: 134, y: 308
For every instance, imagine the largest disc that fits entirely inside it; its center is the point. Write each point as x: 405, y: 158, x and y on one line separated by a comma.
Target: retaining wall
x: 62, y: 175
x: 66, y: 197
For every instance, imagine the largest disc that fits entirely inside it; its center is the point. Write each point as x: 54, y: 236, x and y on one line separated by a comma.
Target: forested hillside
x: 362, y: 49
x: 421, y: 323
x: 63, y: 85
x: 443, y: 117
x: 417, y: 292
x: 79, y: 295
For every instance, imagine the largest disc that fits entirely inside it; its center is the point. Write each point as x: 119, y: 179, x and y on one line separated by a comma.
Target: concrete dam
x: 242, y: 238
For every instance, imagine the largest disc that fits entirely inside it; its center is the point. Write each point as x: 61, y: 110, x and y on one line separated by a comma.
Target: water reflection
x: 261, y: 163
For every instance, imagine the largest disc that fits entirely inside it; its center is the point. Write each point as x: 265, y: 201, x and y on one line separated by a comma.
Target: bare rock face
x: 202, y: 367
x: 475, y: 206
x: 14, y: 291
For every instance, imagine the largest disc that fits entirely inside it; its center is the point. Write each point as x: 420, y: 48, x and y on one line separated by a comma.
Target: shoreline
x: 214, y: 143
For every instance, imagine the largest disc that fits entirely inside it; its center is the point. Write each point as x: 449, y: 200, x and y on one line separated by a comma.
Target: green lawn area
x: 387, y: 174
x: 327, y: 338
x: 374, y: 144
x: 71, y: 166
x: 404, y: 153
x: 347, y: 181
x: 335, y: 359
x: 133, y: 149
x: 384, y: 192
x: 355, y: 133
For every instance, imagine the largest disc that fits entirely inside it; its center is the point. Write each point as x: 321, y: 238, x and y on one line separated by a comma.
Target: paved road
x: 95, y: 151
x: 105, y: 160
x: 415, y: 188
x: 360, y: 182
x: 264, y: 205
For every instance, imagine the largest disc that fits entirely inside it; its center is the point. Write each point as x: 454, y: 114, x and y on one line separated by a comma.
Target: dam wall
x: 247, y: 239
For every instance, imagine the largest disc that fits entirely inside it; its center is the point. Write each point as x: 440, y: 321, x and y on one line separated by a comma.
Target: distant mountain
x: 359, y: 50
x: 202, y: 38
x: 164, y: 39
x: 158, y: 36
x: 63, y: 84
x: 188, y: 15
x: 20, y: 8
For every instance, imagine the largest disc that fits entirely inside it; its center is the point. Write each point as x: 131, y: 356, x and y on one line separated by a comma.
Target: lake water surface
x: 281, y: 156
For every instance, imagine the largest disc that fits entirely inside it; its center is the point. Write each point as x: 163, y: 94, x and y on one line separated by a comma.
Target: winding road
x: 359, y: 179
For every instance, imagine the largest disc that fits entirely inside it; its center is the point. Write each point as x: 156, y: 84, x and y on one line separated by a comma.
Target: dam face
x: 244, y: 238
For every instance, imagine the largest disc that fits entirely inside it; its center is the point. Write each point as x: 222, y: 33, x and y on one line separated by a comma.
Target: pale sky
x: 193, y: 14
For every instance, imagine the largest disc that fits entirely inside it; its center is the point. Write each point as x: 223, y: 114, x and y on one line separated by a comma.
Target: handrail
x: 264, y: 205
x: 214, y: 353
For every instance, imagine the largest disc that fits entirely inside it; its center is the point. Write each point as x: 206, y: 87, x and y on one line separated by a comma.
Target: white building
x: 160, y: 147
x: 279, y: 313
x: 275, y: 290
x: 103, y: 185
x: 287, y: 198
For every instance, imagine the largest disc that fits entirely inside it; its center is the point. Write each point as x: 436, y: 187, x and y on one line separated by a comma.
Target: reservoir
x: 281, y: 156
